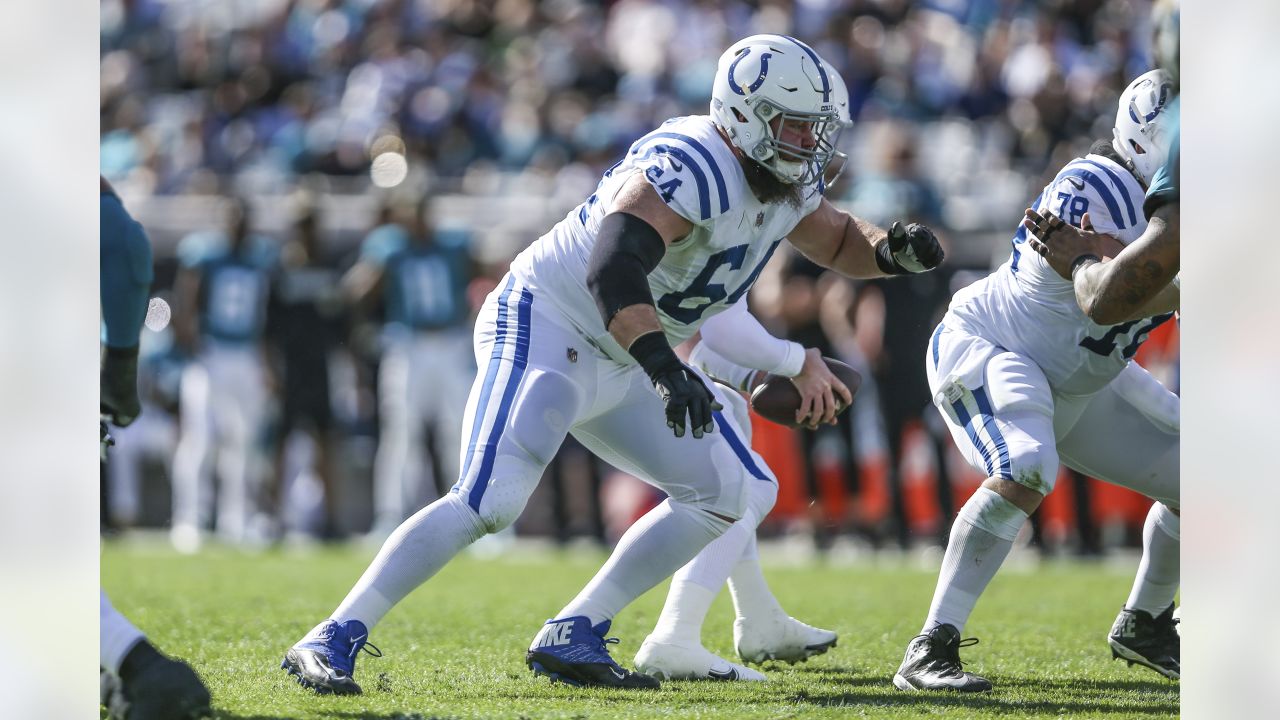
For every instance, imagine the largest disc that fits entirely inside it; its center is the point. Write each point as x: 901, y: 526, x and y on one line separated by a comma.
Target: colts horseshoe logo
x: 764, y: 70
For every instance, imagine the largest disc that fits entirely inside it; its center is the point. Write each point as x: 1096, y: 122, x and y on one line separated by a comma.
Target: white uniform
x: 548, y: 365
x: 1025, y: 379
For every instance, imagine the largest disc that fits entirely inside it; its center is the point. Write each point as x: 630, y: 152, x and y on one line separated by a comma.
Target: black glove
x: 681, y: 389
x: 118, y: 394
x: 912, y: 249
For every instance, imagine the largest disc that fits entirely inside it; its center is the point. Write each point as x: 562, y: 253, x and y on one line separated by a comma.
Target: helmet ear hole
x: 738, y: 114
x: 1137, y: 148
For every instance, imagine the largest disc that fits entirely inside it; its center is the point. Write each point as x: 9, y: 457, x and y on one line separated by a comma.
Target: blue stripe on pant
x: 520, y: 335
x: 1001, y: 467
x: 738, y: 448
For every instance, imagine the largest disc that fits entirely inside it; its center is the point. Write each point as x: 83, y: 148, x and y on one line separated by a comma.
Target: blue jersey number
x: 1106, y: 344
x: 666, y: 189
x: 1072, y: 208
x: 688, y: 305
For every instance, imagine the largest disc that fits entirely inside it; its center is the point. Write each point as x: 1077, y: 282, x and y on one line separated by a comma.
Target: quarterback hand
x: 118, y: 391
x: 684, y: 393
x: 1062, y: 244
x: 821, y: 393
x: 909, y: 249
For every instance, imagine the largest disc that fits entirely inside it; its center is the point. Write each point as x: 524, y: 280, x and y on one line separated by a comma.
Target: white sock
x: 752, y: 597
x: 410, y: 556
x: 1158, y: 573
x: 666, y: 538
x: 981, y: 539
x: 116, y: 636
x: 695, y: 586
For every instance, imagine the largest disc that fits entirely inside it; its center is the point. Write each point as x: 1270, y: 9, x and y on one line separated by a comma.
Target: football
x: 777, y: 399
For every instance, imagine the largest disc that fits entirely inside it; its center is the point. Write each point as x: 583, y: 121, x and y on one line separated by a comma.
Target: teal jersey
x: 233, y: 288
x: 425, y: 287
x: 1164, y: 186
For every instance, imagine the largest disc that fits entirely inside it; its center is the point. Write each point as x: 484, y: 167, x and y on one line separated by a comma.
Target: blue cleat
x: 325, y: 660
x: 569, y: 650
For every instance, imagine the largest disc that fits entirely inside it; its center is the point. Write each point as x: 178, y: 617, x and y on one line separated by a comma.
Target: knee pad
x: 503, y: 497
x: 761, y: 495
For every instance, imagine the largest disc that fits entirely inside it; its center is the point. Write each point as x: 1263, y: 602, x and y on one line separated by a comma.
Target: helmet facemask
x: 789, y: 162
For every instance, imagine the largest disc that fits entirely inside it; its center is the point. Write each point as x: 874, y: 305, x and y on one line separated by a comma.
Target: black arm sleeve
x: 627, y: 249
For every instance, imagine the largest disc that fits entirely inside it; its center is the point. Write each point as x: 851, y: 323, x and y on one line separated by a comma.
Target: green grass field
x: 455, y: 648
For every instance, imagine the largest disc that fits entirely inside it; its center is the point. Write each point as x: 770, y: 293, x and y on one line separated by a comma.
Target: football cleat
x: 154, y: 687
x: 671, y: 660
x: 781, y: 637
x: 1149, y: 641
x: 325, y: 660
x: 932, y: 662
x: 569, y: 650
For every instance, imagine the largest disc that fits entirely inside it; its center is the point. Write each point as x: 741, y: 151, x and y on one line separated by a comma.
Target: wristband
x: 1080, y: 261
x: 885, y: 261
x: 654, y: 354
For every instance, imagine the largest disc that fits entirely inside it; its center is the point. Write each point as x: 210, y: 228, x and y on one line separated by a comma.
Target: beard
x: 767, y: 187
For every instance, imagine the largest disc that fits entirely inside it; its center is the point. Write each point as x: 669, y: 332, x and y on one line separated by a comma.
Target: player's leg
x: 705, y: 483
x: 192, y: 484
x: 1129, y: 435
x: 1000, y: 413
x: 394, y: 436
x: 239, y: 404
x: 520, y: 409
x: 762, y: 629
x: 138, y: 681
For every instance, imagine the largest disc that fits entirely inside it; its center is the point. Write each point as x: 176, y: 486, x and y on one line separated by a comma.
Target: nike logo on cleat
x: 730, y: 674
x: 618, y: 673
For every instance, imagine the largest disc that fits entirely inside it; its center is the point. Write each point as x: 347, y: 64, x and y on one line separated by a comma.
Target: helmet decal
x: 822, y: 72
x: 755, y: 85
x: 1155, y: 109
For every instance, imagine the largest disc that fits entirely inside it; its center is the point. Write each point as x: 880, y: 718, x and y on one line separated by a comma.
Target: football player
x: 578, y: 338
x: 762, y: 630
x: 1026, y: 380
x: 138, y: 682
x: 421, y: 276
x: 220, y: 301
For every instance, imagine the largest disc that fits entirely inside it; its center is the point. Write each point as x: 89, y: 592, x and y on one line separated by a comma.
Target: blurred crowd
x: 313, y: 377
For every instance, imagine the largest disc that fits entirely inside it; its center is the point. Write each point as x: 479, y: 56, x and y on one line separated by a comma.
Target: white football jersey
x: 695, y: 171
x: 1026, y: 307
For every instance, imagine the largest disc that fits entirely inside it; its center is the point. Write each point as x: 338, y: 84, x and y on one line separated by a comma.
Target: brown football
x: 777, y: 399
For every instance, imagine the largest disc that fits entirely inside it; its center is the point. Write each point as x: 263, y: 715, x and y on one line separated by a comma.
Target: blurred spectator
x: 304, y: 325
x: 220, y: 298
x: 420, y: 275
x: 912, y: 306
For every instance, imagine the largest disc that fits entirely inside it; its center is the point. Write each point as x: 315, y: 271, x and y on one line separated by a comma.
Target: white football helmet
x: 1142, y: 134
x: 767, y: 79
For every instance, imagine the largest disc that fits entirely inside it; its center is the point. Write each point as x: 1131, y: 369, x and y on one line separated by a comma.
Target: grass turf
x: 455, y: 648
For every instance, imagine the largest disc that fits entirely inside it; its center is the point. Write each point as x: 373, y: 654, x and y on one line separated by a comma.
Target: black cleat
x: 933, y: 662
x: 154, y: 687
x: 1152, y: 642
x: 569, y: 650
x: 325, y: 660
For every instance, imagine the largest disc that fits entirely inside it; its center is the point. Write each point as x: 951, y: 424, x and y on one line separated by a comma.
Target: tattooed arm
x: 1138, y: 278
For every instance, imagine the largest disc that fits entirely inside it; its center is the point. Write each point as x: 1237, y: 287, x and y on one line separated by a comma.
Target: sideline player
x: 138, y: 682
x: 220, y: 301
x: 426, y: 364
x: 1025, y: 380
x: 579, y: 337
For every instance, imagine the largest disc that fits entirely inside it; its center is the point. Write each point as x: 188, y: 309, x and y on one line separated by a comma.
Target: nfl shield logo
x: 571, y: 354
x: 759, y: 218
